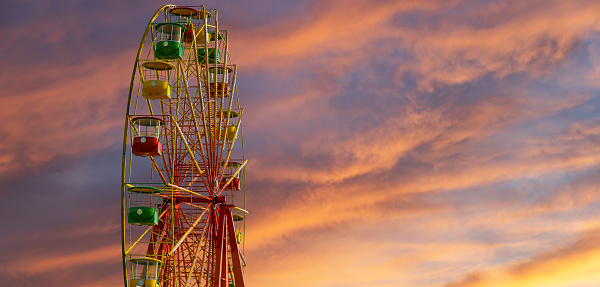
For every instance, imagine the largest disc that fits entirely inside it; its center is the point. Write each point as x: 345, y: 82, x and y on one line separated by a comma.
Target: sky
x: 429, y: 143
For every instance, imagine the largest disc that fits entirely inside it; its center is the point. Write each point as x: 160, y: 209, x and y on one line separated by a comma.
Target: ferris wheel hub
x: 219, y: 200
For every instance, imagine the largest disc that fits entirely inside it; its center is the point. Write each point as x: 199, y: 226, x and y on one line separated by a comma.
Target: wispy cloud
x: 573, y: 265
x: 412, y: 143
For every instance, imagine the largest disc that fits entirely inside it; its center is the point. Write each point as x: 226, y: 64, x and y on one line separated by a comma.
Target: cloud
x: 472, y: 148
x: 330, y: 26
x: 392, y: 142
x: 573, y: 265
x: 73, y: 115
x: 417, y: 239
x: 490, y: 49
x: 45, y: 263
x: 334, y: 172
x: 508, y: 38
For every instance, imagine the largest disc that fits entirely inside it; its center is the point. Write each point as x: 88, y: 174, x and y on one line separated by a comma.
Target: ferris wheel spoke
x: 205, y: 249
x: 208, y: 199
x: 158, y: 170
x: 189, y: 150
x: 186, y: 258
x: 187, y: 232
x: 143, y: 234
x: 137, y: 241
x: 232, y: 177
x: 193, y: 114
x: 195, y: 266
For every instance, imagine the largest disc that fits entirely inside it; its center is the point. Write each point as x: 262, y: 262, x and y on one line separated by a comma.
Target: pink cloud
x: 46, y: 263
x: 338, y: 195
x: 71, y: 115
x: 330, y: 26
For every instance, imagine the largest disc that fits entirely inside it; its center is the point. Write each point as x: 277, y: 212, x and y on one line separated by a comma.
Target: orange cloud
x: 573, y: 265
x: 43, y: 263
x: 326, y: 258
x: 333, y: 200
x: 529, y: 38
x: 358, y: 152
x: 515, y: 38
x: 333, y: 25
x: 70, y: 115
x: 327, y: 205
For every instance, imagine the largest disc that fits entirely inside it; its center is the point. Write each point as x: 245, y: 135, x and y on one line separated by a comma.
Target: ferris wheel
x: 182, y: 193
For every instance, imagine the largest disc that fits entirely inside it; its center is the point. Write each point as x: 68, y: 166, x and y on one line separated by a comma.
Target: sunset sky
x: 423, y: 143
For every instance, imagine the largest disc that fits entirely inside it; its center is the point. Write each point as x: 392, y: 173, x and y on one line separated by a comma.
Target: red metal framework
x: 195, y: 241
